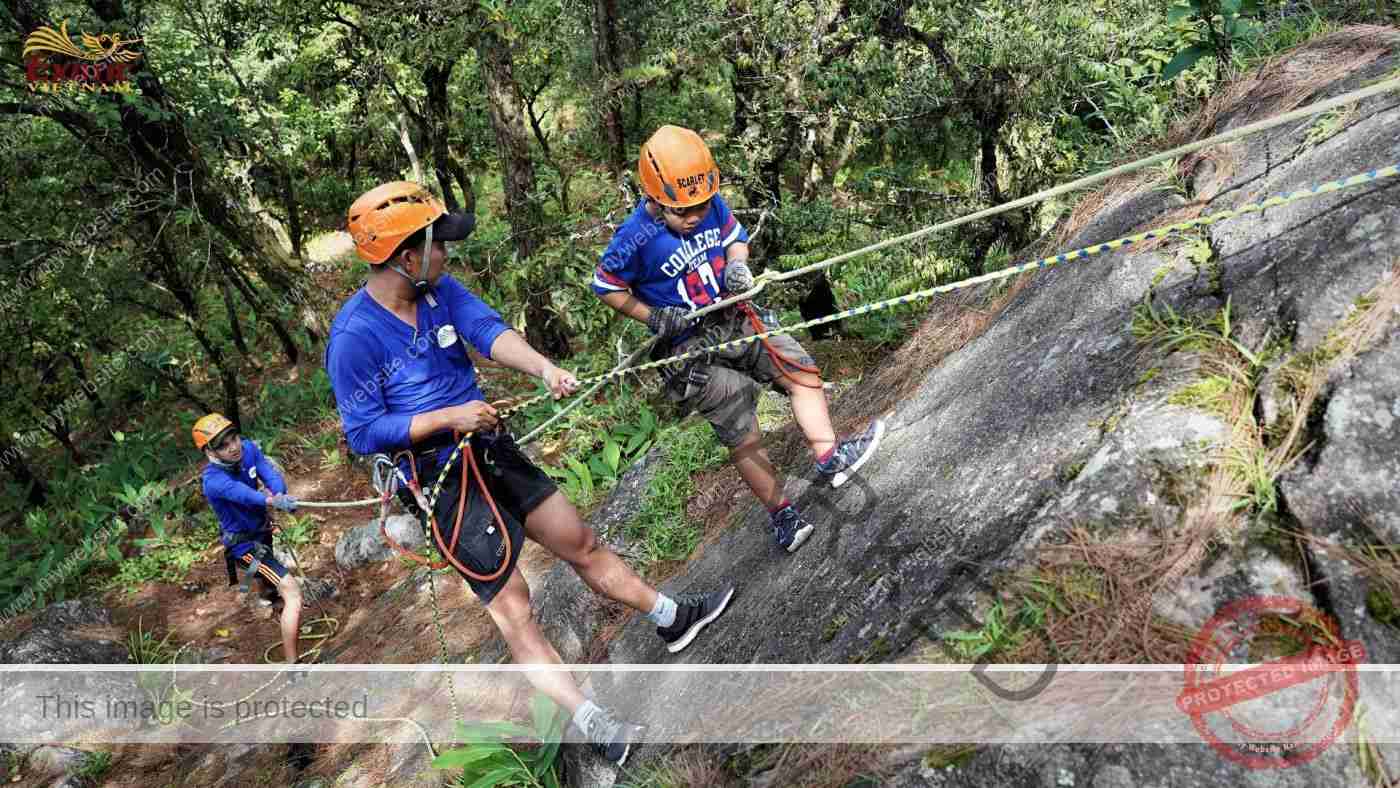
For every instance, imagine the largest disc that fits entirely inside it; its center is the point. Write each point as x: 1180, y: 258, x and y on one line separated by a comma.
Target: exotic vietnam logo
x: 53, y: 63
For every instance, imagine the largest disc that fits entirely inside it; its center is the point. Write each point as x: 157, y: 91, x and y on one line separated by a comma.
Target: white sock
x: 663, y: 614
x: 584, y: 715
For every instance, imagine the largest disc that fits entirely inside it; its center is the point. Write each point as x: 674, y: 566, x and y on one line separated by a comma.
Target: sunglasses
x: 700, y: 208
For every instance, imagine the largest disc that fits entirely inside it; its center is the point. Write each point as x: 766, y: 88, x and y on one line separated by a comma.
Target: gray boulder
x: 52, y: 638
x: 365, y: 545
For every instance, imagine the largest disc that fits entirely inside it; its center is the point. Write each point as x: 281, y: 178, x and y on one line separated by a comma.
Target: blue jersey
x: 234, y: 496
x: 384, y: 371
x: 665, y: 269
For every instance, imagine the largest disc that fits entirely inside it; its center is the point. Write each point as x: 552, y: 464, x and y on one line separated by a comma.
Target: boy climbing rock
x: 678, y: 251
x: 405, y: 385
x: 231, y: 479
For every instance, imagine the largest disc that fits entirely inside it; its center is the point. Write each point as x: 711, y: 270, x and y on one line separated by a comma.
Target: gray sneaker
x: 851, y: 454
x: 612, y: 739
x: 693, y: 613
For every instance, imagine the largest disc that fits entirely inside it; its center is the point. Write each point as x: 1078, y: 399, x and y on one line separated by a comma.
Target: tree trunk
x: 289, y: 204
x: 193, y: 320
x: 434, y: 128
x: 464, y: 181
x: 239, y: 280
x: 17, y: 466
x: 507, y: 112
x: 546, y: 331
x: 607, y: 55
x: 235, y: 324
x: 81, y: 372
x: 60, y: 432
x: 180, y: 385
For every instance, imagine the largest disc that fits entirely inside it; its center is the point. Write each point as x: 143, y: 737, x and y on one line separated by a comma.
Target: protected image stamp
x: 1275, y: 714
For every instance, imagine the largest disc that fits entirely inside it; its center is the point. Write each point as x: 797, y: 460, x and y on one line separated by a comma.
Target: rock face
x: 364, y: 545
x: 51, y: 639
x: 1118, y: 766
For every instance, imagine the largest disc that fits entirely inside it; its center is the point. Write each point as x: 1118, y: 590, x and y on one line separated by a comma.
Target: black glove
x: 668, y: 321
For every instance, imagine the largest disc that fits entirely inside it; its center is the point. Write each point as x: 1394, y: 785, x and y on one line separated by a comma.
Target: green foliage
x: 1005, y: 628
x: 617, y: 449
x: 1172, y: 332
x: 662, y: 531
x: 1382, y: 606
x: 166, y: 560
x: 1209, y: 394
x: 1234, y: 27
x: 94, y: 767
x: 143, y: 648
x: 281, y: 406
x: 488, y: 761
x: 297, y: 530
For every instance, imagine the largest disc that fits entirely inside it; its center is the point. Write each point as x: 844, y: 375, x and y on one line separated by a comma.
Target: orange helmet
x: 210, y: 427
x: 676, y: 168
x: 384, y: 216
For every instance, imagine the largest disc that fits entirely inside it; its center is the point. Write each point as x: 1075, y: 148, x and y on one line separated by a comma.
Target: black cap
x: 454, y: 226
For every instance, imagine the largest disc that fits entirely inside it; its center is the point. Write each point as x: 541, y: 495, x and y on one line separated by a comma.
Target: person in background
x: 237, y: 467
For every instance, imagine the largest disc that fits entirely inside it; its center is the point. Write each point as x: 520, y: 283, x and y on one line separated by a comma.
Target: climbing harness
x: 386, y: 476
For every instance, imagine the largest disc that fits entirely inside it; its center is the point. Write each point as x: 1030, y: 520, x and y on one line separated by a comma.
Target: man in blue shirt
x: 680, y: 250
x: 404, y: 384
x: 236, y: 467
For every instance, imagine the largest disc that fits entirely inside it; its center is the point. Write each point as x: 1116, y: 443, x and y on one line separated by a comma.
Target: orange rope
x: 449, y: 551
x: 779, y: 360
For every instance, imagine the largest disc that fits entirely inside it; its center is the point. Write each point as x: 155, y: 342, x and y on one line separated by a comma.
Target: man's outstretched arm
x: 512, y: 350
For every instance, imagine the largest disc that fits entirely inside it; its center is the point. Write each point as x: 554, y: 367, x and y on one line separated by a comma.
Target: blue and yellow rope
x: 918, y: 295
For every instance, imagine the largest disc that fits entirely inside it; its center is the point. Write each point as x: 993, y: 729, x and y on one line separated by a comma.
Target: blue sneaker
x: 851, y: 454
x: 789, y: 529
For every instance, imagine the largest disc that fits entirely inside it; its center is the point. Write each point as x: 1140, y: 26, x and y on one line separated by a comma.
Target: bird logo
x: 105, y: 48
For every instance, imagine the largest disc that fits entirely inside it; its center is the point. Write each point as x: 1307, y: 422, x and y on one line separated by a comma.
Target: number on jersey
x: 693, y: 286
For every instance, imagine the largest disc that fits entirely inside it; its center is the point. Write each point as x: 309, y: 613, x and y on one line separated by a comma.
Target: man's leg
x: 290, y: 590
x: 510, y: 609
x: 555, y: 524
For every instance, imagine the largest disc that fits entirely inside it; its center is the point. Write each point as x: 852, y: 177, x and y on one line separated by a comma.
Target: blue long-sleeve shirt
x: 234, y: 496
x: 384, y: 371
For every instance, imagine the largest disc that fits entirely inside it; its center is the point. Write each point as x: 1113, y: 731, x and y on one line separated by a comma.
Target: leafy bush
x: 620, y: 447
x: 488, y: 761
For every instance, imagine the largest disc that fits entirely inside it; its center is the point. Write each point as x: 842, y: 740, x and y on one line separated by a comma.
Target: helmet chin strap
x: 421, y: 284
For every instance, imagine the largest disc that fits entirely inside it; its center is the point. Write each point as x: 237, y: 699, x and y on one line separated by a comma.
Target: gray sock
x: 663, y: 614
x: 584, y: 715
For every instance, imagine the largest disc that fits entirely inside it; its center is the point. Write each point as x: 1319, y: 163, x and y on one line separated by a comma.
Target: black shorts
x: 517, y: 487
x: 270, y: 570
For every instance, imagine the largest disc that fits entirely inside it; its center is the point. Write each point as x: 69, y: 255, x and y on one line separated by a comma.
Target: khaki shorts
x: 723, y: 386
